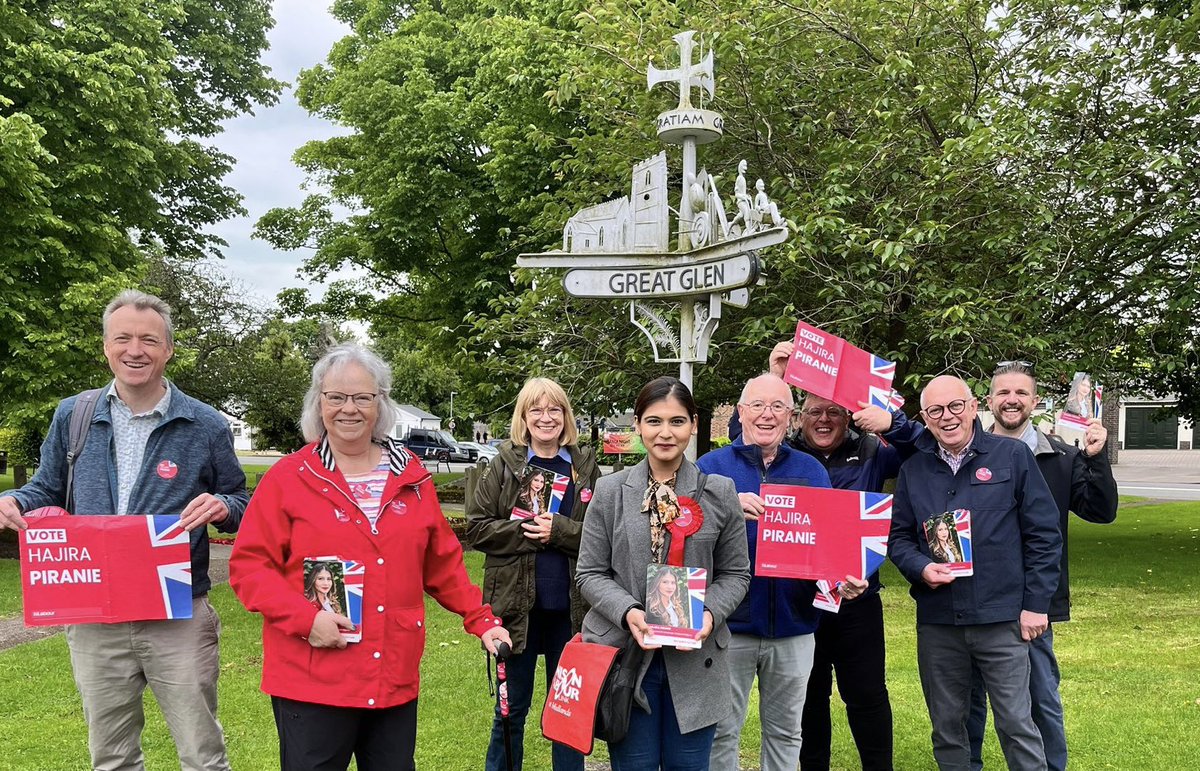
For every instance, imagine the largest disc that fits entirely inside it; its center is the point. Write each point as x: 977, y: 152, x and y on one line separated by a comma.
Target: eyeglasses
x: 537, y: 412
x: 757, y: 407
x: 338, y: 399
x: 935, y: 411
x: 816, y: 413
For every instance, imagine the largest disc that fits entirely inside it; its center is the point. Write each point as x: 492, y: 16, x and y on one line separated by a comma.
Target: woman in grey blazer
x: 681, y: 694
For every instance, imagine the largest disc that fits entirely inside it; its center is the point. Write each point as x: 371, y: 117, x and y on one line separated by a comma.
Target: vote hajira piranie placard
x: 104, y: 569
x: 821, y: 534
x: 825, y: 365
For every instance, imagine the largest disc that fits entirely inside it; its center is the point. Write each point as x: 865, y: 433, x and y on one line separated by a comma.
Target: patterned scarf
x: 662, y: 507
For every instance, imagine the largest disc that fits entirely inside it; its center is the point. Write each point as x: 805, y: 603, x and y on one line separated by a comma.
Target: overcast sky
x: 263, y: 144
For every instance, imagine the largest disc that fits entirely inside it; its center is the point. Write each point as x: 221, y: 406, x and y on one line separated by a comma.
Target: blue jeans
x: 549, y: 632
x: 1044, y: 678
x: 654, y: 741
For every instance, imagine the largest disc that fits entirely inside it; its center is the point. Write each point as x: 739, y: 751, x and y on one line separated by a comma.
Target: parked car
x: 435, y: 444
x: 462, y: 453
x: 495, y: 443
x: 483, y: 451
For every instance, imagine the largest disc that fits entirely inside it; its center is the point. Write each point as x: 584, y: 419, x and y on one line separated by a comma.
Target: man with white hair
x: 148, y: 448
x: 989, y: 618
x: 773, y: 627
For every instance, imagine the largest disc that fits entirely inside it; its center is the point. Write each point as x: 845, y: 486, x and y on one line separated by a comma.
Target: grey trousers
x: 782, y: 665
x: 944, y: 657
x: 113, y: 664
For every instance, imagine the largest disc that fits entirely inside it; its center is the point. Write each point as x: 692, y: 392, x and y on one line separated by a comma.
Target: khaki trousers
x: 179, y: 660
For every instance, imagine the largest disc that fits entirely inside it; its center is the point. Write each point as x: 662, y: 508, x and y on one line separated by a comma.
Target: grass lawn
x: 1131, y: 671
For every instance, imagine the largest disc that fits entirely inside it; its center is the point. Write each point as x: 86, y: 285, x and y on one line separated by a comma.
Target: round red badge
x: 399, y: 507
x: 585, y: 495
x: 341, y: 516
x: 983, y: 474
x: 167, y: 469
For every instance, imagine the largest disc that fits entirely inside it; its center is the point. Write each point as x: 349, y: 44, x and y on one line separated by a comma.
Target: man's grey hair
x: 746, y: 388
x: 335, y: 359
x: 141, y: 301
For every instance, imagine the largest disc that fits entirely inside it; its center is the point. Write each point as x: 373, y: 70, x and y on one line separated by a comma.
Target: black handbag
x: 616, y: 697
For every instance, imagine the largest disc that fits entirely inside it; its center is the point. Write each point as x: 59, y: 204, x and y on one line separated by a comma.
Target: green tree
x: 104, y: 111
x: 966, y: 181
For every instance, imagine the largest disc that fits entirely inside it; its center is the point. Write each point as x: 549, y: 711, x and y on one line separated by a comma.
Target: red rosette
x: 687, y: 522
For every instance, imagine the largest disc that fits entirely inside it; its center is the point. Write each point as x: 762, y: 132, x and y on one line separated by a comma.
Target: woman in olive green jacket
x: 529, y: 571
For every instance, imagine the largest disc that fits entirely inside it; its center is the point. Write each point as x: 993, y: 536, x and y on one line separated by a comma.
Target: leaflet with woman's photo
x: 1083, y: 403
x: 335, y: 585
x: 675, y: 605
x: 541, y: 491
x: 949, y: 537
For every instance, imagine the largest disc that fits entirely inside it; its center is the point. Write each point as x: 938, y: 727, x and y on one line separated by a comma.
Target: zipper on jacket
x: 333, y: 484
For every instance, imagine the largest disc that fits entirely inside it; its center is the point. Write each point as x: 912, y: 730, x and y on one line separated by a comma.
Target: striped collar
x: 396, y: 454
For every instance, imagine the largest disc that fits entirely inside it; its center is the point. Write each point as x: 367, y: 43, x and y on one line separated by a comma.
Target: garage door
x: 1143, y: 432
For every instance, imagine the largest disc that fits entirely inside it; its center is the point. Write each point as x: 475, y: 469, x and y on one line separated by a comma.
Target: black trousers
x: 317, y: 737
x: 849, y: 642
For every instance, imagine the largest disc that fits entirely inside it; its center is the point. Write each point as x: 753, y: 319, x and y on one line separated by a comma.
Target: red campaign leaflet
x: 675, y: 605
x: 541, y: 491
x: 822, y: 535
x: 336, y: 585
x: 949, y: 536
x: 104, y: 569
x: 827, y: 366
x: 569, y: 716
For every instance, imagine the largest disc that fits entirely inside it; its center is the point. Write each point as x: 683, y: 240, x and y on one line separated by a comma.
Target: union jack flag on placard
x: 880, y: 387
x: 355, y: 573
x: 174, y: 578
x: 962, y: 523
x: 558, y: 491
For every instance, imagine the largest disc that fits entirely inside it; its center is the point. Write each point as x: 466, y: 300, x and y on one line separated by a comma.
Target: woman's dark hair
x: 661, y: 388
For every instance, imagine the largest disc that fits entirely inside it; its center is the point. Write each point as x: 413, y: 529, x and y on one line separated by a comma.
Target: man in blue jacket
x: 773, y: 627
x: 149, y: 449
x: 850, y: 642
x: 989, y: 618
x: 1081, y: 480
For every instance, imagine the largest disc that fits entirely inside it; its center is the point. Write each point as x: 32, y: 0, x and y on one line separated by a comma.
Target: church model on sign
x: 642, y: 222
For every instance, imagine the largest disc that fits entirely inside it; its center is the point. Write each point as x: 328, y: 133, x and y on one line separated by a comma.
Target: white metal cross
x: 689, y: 75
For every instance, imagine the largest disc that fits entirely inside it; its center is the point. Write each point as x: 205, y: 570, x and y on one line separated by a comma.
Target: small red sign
x: 167, y: 469
x: 983, y: 474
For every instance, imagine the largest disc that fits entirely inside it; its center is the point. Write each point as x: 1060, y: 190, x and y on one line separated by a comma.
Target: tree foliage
x: 104, y: 110
x: 966, y: 181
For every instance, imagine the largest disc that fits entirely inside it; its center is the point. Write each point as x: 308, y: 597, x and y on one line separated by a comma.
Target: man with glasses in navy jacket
x: 987, y: 619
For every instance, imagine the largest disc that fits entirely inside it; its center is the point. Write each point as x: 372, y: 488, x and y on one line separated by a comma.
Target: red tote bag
x: 569, y: 716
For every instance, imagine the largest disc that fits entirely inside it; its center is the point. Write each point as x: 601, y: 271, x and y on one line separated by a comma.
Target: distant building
x: 243, y: 434
x: 413, y: 417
